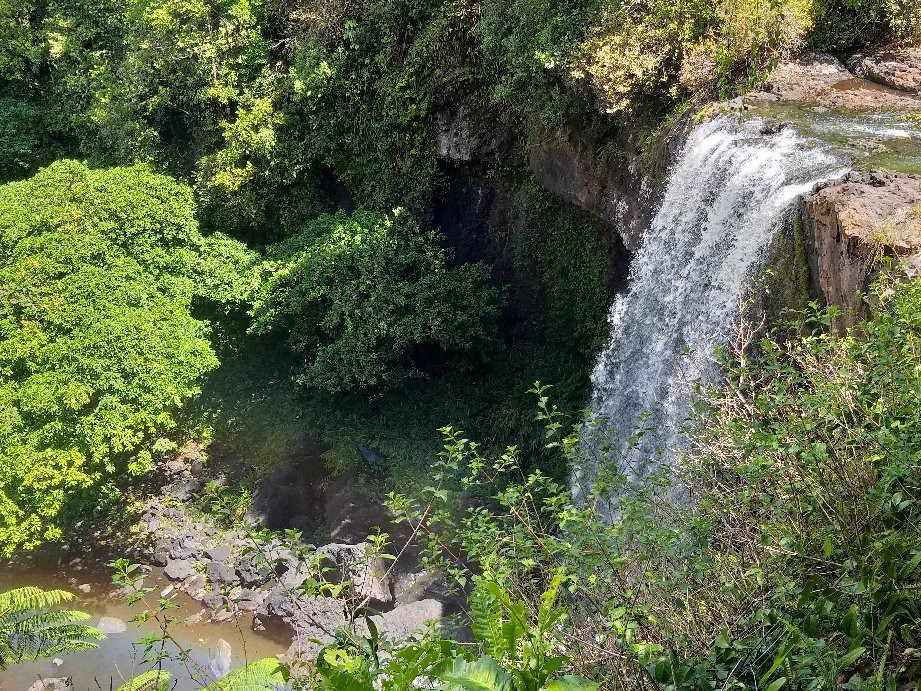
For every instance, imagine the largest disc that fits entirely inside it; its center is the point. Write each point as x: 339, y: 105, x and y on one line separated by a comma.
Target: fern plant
x: 32, y: 626
x: 518, y: 651
x: 151, y: 680
x: 267, y: 674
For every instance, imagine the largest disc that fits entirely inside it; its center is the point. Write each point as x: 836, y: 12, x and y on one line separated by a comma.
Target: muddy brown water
x: 121, y: 655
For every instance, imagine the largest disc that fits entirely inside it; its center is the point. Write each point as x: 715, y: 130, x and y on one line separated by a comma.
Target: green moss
x: 568, y: 252
x: 784, y: 287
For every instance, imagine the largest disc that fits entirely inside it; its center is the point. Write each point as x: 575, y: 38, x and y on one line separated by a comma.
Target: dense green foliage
x: 32, y: 625
x: 275, y: 111
x: 98, y: 349
x: 513, y: 651
x: 797, y: 563
x: 358, y: 294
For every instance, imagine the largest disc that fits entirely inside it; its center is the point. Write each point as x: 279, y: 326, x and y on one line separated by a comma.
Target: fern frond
x: 151, y: 680
x: 486, y: 622
x: 30, y: 627
x: 46, y: 620
x: 15, y: 602
x: 267, y: 674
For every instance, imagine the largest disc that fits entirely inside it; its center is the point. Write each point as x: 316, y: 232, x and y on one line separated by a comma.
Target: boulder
x: 220, y: 574
x: 249, y: 571
x: 368, y: 574
x: 412, y: 586
x: 400, y: 623
x: 219, y: 553
x: 110, y: 625
x: 898, y: 68
x: 219, y: 664
x: 822, y: 80
x: 179, y: 569
x: 249, y: 600
x: 310, y: 617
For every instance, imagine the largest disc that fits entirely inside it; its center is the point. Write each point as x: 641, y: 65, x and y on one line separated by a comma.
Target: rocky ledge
x: 897, y: 68
x: 855, y: 222
x: 824, y: 81
x: 240, y: 570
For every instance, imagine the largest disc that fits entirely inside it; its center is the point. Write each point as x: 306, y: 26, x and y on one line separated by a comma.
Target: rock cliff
x: 855, y: 223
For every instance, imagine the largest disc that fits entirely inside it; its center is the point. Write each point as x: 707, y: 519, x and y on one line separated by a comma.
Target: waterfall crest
x: 726, y: 198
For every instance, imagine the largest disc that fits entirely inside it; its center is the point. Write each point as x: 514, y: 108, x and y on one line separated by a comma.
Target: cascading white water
x: 726, y: 197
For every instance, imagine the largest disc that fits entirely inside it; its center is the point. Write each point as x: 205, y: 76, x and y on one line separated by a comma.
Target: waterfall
x: 727, y: 196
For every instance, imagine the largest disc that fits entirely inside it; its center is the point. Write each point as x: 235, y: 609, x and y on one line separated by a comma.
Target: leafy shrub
x: 98, y: 350
x: 364, y: 101
x: 21, y: 136
x: 514, y: 650
x: 797, y: 560
x: 20, y: 44
x: 527, y: 47
x: 848, y: 24
x: 356, y: 296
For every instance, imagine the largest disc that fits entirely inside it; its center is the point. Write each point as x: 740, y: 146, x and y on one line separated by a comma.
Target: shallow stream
x: 121, y: 655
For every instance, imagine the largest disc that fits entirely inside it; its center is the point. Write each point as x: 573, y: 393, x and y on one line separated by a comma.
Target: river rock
x: 110, y: 625
x: 219, y: 664
x: 193, y: 585
x: 249, y: 572
x: 213, y: 601
x: 219, y: 553
x: 368, y: 574
x: 314, y: 620
x: 184, y: 547
x: 52, y: 684
x: 179, y: 569
x: 249, y: 600
x: 402, y: 622
x: 220, y: 574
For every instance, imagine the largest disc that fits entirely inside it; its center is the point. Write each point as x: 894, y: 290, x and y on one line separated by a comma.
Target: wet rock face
x: 368, y: 575
x: 899, y: 68
x: 853, y: 223
x: 461, y: 135
x: 291, y: 495
x: 823, y: 80
x: 616, y: 192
